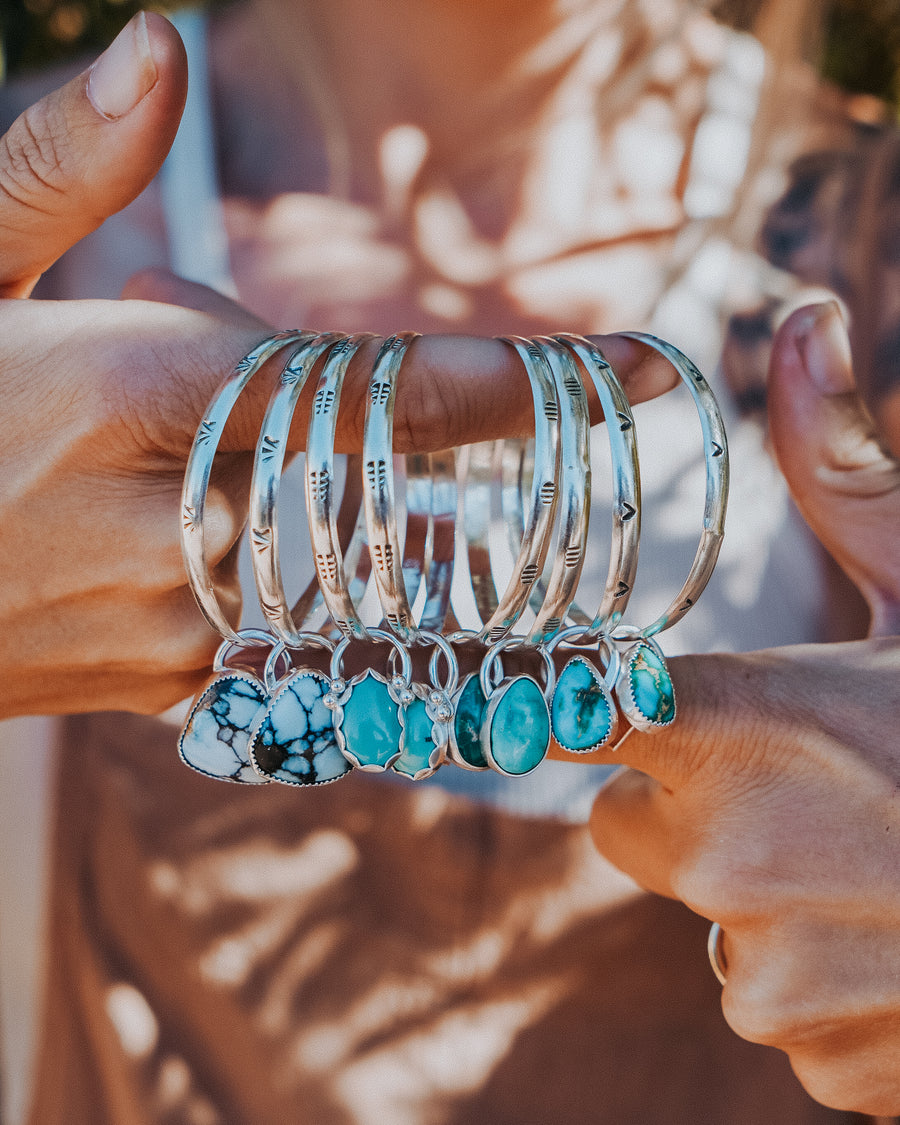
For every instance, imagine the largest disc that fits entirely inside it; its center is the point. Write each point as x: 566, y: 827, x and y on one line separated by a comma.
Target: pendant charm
x: 215, y: 737
x: 465, y: 730
x: 428, y: 715
x: 368, y: 717
x: 644, y: 687
x: 583, y: 715
x: 515, y: 729
x: 293, y: 741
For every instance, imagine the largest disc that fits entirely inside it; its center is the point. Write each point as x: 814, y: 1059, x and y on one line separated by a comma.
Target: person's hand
x: 772, y: 805
x: 101, y: 400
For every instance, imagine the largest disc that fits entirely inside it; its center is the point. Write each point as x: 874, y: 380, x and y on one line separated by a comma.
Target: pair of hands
x: 772, y: 806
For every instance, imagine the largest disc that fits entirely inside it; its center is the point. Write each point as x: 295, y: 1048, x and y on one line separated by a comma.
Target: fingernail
x: 124, y: 73
x: 825, y: 349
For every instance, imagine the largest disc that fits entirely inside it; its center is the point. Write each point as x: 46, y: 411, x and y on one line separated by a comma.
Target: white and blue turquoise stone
x: 468, y: 713
x: 371, y: 726
x: 420, y: 757
x: 215, y: 736
x: 515, y: 735
x: 582, y: 711
x: 294, y: 742
x: 649, y: 689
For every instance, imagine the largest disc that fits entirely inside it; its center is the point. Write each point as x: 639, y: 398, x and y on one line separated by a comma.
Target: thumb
x: 844, y: 482
x: 86, y: 150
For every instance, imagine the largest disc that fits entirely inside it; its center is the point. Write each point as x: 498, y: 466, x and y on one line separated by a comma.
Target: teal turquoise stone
x: 295, y: 741
x: 467, y: 723
x: 581, y: 715
x: 371, y: 724
x: 419, y: 751
x: 518, y: 734
x: 651, y: 686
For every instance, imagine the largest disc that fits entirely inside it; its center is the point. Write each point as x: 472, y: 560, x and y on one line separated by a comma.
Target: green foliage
x: 862, y: 48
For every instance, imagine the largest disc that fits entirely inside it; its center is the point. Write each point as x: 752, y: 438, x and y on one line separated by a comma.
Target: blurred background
x: 857, y: 45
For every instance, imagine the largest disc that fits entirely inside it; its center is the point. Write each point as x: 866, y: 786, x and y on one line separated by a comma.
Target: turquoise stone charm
x: 465, y: 731
x: 368, y: 723
x: 515, y: 733
x: 215, y: 736
x: 644, y: 688
x: 294, y: 742
x: 424, y: 742
x: 582, y: 715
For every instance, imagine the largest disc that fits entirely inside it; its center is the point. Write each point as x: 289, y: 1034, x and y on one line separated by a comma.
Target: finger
x: 845, y: 484
x: 452, y: 390
x: 631, y: 827
x: 157, y: 284
x: 86, y: 150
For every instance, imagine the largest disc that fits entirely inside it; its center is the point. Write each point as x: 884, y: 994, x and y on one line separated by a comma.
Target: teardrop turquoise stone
x: 651, y: 686
x: 419, y: 750
x: 581, y: 714
x: 519, y: 733
x: 371, y: 726
x: 467, y: 723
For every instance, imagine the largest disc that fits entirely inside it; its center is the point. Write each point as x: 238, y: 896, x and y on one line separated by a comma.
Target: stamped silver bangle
x: 320, y: 484
x: 573, y: 491
x: 378, y: 487
x: 267, y: 468
x: 542, y: 503
x: 197, y: 474
x: 645, y: 691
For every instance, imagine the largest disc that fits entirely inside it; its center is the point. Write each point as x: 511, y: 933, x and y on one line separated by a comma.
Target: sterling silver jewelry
x: 369, y: 710
x: 319, y: 482
x: 644, y: 689
x: 583, y: 715
x: 427, y: 718
x: 716, y: 953
x: 264, y: 487
x: 292, y: 740
x: 215, y: 737
x: 378, y: 487
x: 515, y: 724
x: 197, y: 473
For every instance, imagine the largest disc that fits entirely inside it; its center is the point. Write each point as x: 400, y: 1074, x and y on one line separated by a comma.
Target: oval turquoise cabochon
x: 581, y: 715
x: 516, y: 735
x: 371, y: 724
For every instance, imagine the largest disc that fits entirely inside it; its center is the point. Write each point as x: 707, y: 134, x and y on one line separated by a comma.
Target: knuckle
x: 36, y: 155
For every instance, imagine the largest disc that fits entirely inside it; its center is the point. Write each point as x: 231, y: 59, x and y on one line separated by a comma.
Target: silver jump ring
x: 716, y: 953
x: 264, y: 487
x: 197, y: 474
x: 715, y: 449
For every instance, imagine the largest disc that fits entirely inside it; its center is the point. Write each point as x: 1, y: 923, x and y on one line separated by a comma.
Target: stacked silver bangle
x: 292, y: 712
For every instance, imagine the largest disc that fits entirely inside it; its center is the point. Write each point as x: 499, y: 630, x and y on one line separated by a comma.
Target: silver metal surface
x: 320, y: 482
x: 715, y: 450
x: 197, y: 473
x: 626, y: 513
x: 716, y: 953
x: 264, y: 487
x: 574, y: 491
x: 378, y: 487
